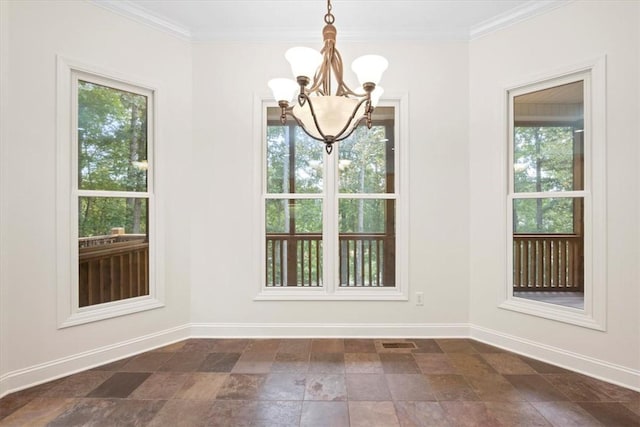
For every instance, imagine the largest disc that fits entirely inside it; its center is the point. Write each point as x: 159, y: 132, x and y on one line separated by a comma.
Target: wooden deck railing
x: 112, y: 268
x: 296, y: 260
x: 548, y: 262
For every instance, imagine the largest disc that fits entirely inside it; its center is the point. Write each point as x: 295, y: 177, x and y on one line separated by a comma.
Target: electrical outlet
x: 419, y: 298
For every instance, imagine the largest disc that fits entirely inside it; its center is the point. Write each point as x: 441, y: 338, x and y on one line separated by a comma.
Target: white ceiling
x: 356, y: 20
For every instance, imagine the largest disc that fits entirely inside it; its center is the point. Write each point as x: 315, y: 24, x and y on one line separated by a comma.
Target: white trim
x: 522, y: 13
x: 68, y: 312
x: 330, y: 330
x: 597, y: 368
x: 593, y: 316
x: 58, y: 368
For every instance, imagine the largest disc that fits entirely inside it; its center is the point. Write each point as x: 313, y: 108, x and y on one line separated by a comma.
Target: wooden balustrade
x: 112, y: 268
x: 296, y: 260
x: 548, y: 262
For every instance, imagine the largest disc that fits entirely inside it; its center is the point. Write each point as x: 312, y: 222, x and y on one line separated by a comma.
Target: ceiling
x: 356, y: 20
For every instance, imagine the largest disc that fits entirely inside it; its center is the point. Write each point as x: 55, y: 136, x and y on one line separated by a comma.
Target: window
x: 331, y: 221
x: 550, y: 205
x: 109, y: 206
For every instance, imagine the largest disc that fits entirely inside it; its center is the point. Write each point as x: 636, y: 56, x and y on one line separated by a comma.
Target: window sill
x: 573, y: 316
x: 348, y: 294
x: 110, y: 310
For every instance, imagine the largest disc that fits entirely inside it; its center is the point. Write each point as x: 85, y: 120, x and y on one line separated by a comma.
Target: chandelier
x: 322, y: 115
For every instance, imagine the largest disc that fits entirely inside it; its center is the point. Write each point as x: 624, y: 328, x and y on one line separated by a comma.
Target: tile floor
x: 327, y: 383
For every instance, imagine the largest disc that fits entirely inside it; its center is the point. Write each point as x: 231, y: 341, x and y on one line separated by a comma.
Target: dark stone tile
x: 228, y: 345
x: 11, y: 403
x: 254, y: 363
x: 565, y: 414
x: 328, y: 363
x: 507, y: 363
x: 327, y: 346
x: 187, y: 413
x: 634, y: 405
x: 146, y: 362
x: 494, y: 387
x: 241, y: 387
x: 611, y: 414
x: 282, y: 414
x: 577, y: 388
x: 451, y: 387
x: 420, y: 414
x: 359, y: 346
x: 470, y: 364
x: 113, y: 366
x: 481, y: 347
x: 323, y: 414
x: 86, y: 412
x: 434, y: 363
x: 198, y: 345
x: 325, y: 387
x: 201, y: 386
x: 362, y: 363
x: 219, y: 362
x: 291, y: 362
x: 183, y: 362
x: 426, y: 346
x: 231, y: 413
x: 367, y: 387
x: 544, y: 368
x: 456, y: 346
x: 472, y: 414
x: 78, y: 385
x: 263, y: 346
x: 291, y: 346
x: 409, y: 387
x: 39, y: 411
x: 283, y: 387
x: 120, y: 384
x: 372, y: 414
x: 535, y: 388
x: 399, y: 363
x: 160, y: 385
x: 130, y: 412
x: 516, y: 414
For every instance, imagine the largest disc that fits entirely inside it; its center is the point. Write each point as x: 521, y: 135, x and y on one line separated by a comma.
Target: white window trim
x: 330, y: 290
x: 593, y: 315
x: 68, y: 311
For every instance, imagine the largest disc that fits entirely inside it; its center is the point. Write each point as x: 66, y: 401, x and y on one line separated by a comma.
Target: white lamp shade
x: 283, y: 89
x: 304, y: 61
x: 332, y: 113
x: 369, y: 68
x: 375, y: 95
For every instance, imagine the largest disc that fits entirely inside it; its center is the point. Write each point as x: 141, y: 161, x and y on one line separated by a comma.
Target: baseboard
x: 606, y: 371
x: 329, y: 330
x: 44, y: 372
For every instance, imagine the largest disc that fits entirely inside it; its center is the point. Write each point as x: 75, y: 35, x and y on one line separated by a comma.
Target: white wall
x: 569, y: 35
x: 36, y: 32
x: 227, y: 78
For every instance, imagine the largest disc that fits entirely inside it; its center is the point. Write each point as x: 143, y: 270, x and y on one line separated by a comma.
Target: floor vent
x: 398, y: 345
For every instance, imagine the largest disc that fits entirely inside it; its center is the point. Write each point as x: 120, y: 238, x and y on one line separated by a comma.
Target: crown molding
x: 130, y: 10
x: 526, y: 11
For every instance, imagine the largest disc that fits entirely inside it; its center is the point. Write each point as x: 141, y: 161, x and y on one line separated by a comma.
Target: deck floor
x: 567, y: 299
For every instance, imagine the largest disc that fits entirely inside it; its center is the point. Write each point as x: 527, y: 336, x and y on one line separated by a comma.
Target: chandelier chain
x: 329, y: 18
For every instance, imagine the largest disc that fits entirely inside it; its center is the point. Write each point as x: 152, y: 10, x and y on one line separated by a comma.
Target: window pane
x: 294, y: 242
x: 366, y: 160
x: 547, y: 215
x: 112, y: 139
x: 113, y: 249
x: 367, y: 242
x: 548, y: 139
x: 294, y: 161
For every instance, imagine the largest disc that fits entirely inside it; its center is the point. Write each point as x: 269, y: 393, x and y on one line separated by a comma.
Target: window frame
x: 331, y: 196
x: 593, y: 314
x: 69, y: 73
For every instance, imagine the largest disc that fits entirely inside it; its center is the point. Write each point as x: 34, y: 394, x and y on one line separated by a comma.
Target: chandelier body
x: 323, y: 115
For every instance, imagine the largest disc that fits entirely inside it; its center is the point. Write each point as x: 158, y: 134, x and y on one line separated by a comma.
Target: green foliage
x: 112, y: 156
x: 544, y: 162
